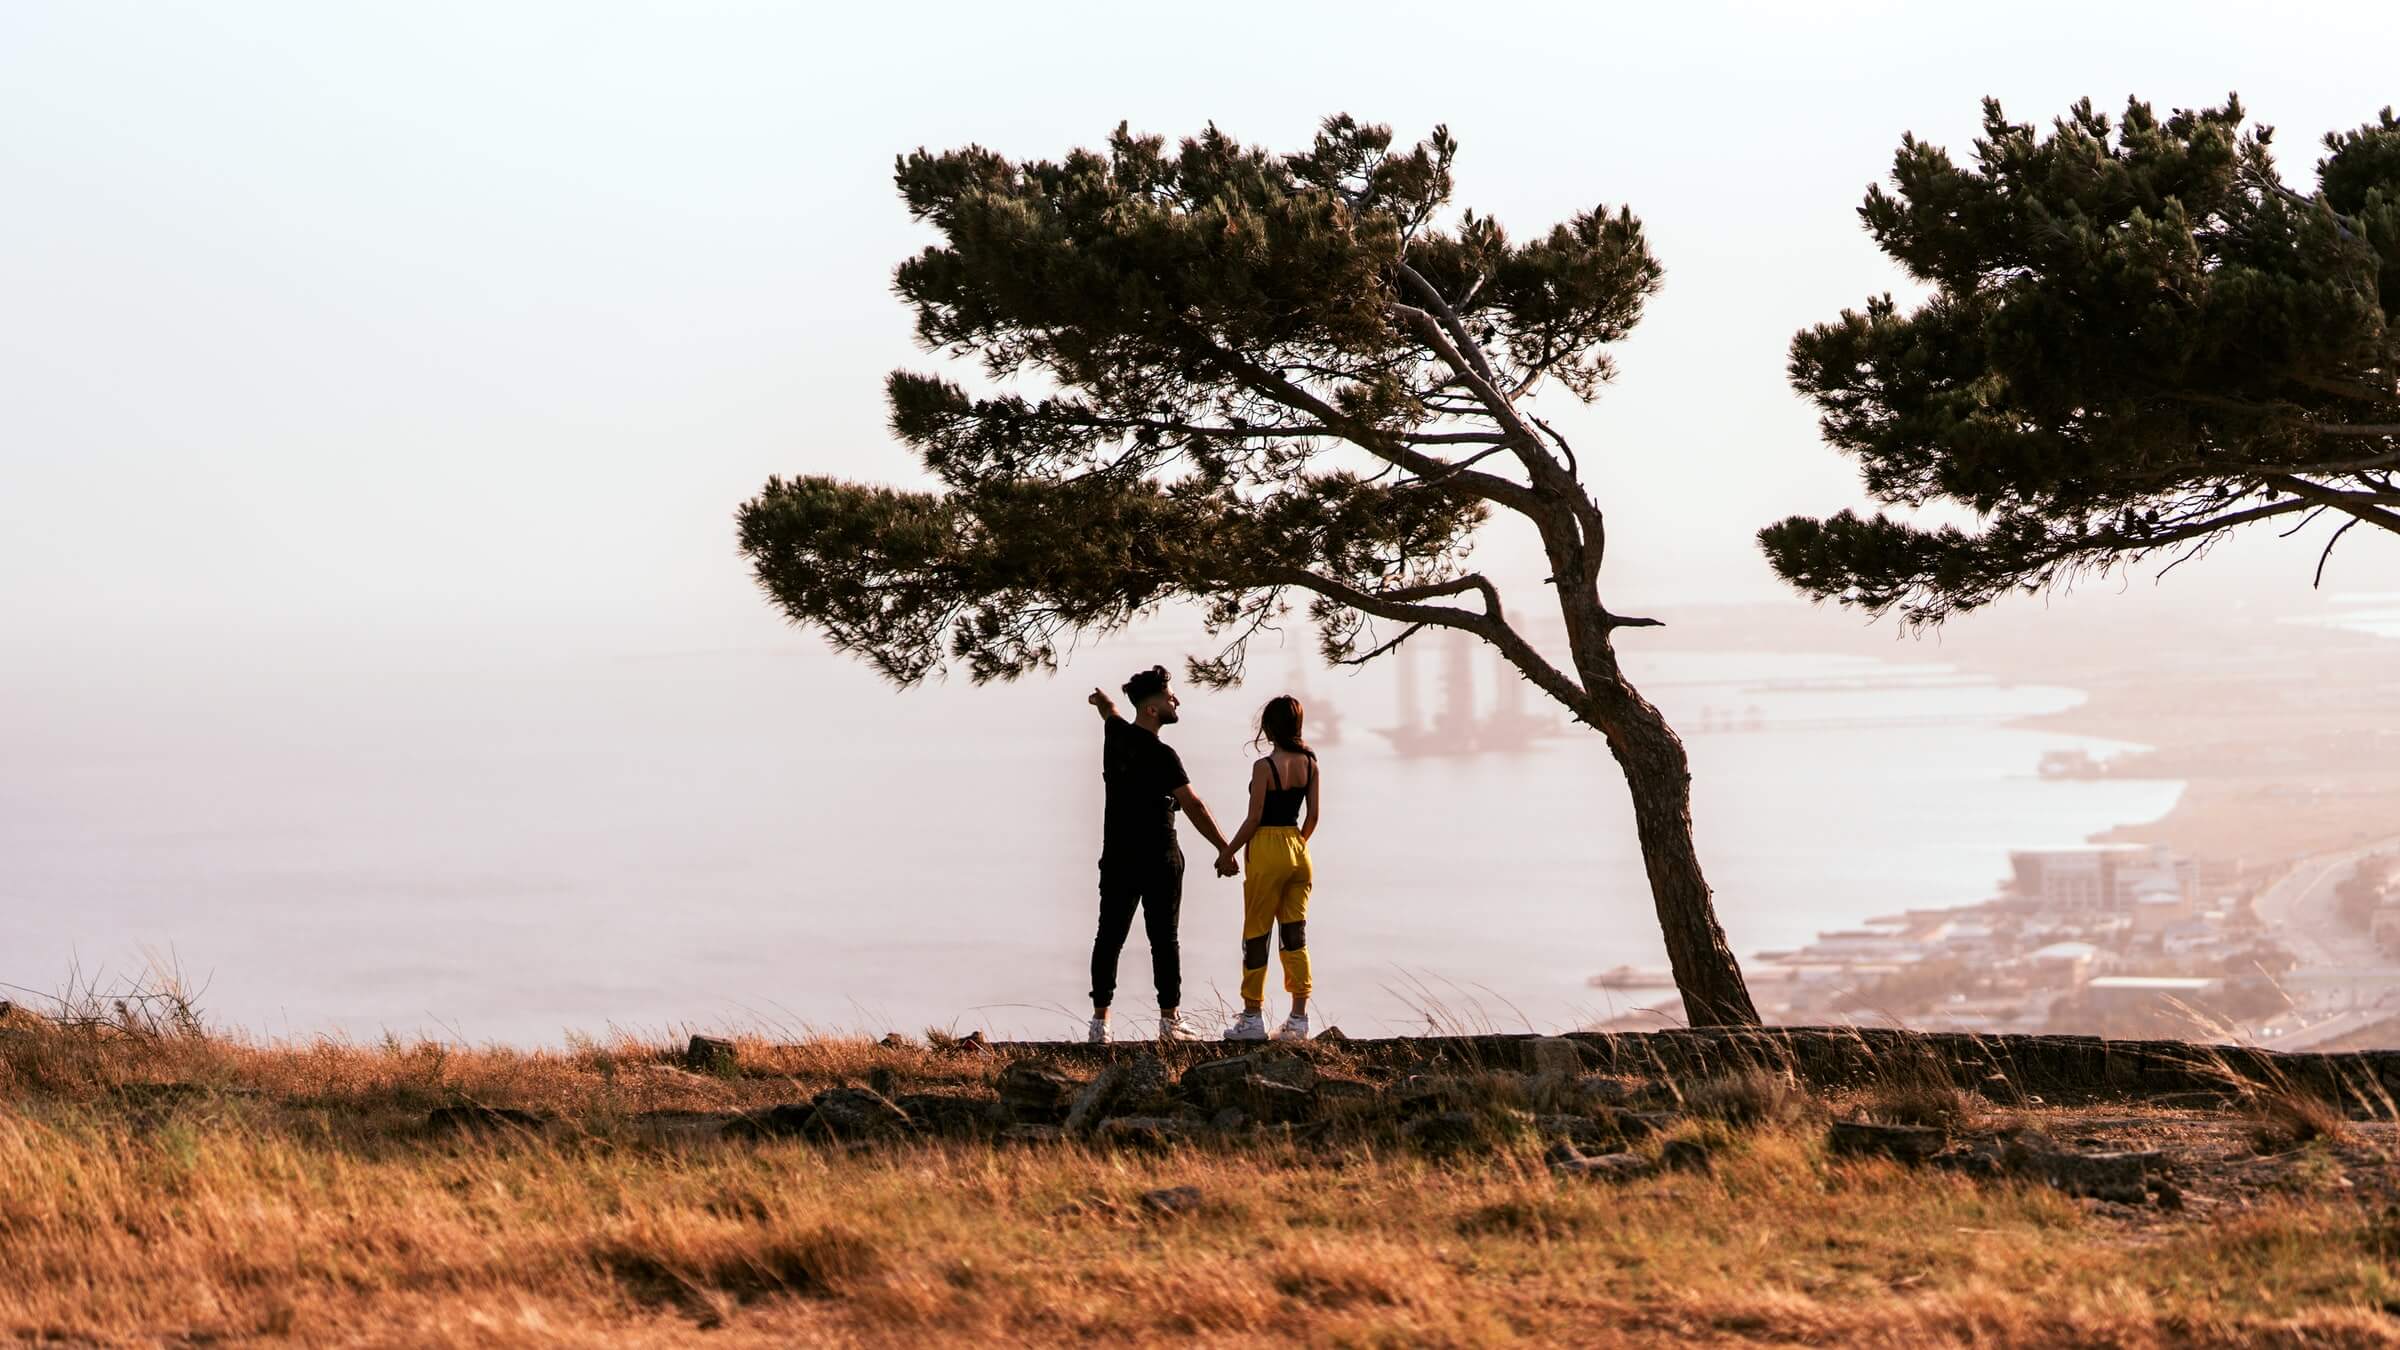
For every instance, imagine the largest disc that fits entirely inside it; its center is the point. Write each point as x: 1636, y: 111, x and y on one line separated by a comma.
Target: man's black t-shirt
x: 1142, y: 773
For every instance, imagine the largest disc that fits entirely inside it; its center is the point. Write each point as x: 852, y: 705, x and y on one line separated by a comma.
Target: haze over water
x: 510, y: 845
x: 437, y: 332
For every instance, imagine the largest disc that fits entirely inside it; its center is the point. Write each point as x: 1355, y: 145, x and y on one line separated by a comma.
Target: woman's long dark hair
x: 1279, y: 723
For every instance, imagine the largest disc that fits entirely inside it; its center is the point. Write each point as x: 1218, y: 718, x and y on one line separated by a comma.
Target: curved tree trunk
x: 1660, y: 779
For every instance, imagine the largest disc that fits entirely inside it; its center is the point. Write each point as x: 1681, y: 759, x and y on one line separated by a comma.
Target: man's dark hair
x: 1148, y: 684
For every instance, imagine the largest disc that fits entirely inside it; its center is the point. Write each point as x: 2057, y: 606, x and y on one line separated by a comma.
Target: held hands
x: 1226, y: 866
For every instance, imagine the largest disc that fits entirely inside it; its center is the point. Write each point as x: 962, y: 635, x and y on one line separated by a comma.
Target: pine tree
x: 2137, y: 338
x: 1224, y: 376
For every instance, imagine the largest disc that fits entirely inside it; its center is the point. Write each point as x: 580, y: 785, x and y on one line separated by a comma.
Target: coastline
x: 2259, y: 718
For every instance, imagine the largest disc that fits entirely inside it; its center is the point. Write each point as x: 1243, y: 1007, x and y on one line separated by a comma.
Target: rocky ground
x: 2196, y: 1151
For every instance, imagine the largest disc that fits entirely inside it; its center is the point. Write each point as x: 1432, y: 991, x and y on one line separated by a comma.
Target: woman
x: 1276, y: 875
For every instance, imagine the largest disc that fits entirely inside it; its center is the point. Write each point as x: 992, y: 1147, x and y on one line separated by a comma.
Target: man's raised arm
x: 1106, y: 705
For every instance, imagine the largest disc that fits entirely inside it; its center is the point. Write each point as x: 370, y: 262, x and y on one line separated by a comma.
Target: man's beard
x: 1169, y: 717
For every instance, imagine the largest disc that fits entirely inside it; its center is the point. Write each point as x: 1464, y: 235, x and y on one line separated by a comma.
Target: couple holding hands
x: 1141, y: 865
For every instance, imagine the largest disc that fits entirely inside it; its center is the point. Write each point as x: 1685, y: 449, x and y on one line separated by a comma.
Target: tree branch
x: 1490, y: 487
x: 1489, y: 626
x: 1450, y: 321
x: 2363, y: 505
x: 2347, y: 526
x: 1405, y: 634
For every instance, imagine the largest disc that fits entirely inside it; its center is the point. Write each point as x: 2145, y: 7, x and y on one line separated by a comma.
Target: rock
x: 949, y: 1115
x: 1597, y: 1091
x: 1330, y: 1090
x: 1149, y: 1132
x: 1172, y: 1200
x: 709, y: 1054
x: 1642, y: 1124
x: 1333, y: 1034
x: 1977, y: 1158
x: 859, y: 1113
x: 1574, y: 1094
x: 1229, y: 1119
x: 1093, y: 1101
x: 973, y: 1040
x: 1553, y: 1094
x: 1135, y: 1087
x: 1036, y: 1091
x: 1553, y: 1054
x: 1212, y: 1083
x: 1296, y: 1132
x: 1906, y: 1143
x: 1686, y: 1155
x: 1444, y: 1131
x: 2166, y: 1194
x: 1032, y: 1134
x: 1606, y: 1167
x: 885, y: 1082
x: 1272, y: 1103
x: 1424, y: 1093
x: 473, y: 1119
x: 2102, y: 1175
x: 2000, y: 1090
x: 776, y: 1122
x: 1583, y: 1132
x: 895, y: 1040
x: 2204, y: 1099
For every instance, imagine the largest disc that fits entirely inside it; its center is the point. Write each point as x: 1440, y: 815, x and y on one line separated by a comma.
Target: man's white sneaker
x: 1247, y: 1027
x: 1294, y: 1028
x: 1098, y: 1034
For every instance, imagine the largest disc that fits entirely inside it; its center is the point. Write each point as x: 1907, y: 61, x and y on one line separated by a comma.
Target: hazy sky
x: 382, y: 316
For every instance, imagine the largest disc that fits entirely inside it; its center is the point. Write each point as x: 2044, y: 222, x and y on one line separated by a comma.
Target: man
x: 1141, y: 866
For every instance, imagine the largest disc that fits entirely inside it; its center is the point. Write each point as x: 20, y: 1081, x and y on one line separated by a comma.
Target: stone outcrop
x: 1999, y: 1067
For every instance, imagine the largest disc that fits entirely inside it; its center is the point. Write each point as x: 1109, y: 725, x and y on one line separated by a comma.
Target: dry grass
x: 289, y: 1193
x: 1750, y: 1098
x: 2286, y: 1117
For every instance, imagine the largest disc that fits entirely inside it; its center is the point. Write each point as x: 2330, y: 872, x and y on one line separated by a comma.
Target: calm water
x: 514, y: 847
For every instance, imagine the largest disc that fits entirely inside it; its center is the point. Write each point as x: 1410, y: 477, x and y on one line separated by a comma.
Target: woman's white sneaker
x: 1172, y: 1027
x: 1294, y: 1028
x: 1247, y: 1027
x: 1098, y: 1032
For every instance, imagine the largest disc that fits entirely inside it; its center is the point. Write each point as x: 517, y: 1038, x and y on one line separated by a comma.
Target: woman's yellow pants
x: 1276, y: 877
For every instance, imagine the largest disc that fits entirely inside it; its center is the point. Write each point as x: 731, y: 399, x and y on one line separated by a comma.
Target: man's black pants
x: 1155, y: 887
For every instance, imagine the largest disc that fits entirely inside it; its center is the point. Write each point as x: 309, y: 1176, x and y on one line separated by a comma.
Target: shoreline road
x: 2299, y: 911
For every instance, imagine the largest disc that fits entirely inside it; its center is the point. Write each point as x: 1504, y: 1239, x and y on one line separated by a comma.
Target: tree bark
x: 1659, y: 776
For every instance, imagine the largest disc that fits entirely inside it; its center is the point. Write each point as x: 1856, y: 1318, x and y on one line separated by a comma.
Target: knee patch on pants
x: 1293, y: 937
x: 1254, y: 952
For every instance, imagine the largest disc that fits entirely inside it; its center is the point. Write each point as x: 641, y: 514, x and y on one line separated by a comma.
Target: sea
x: 531, y: 843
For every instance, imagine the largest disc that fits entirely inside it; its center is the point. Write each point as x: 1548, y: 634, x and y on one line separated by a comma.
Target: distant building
x: 2187, y: 937
x: 2384, y: 926
x: 2106, y: 879
x: 2064, y: 963
x: 2158, y: 909
x: 2157, y: 996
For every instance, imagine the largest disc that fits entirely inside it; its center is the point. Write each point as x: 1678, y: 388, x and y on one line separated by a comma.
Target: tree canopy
x: 1236, y: 400
x: 2134, y: 338
x: 1253, y: 381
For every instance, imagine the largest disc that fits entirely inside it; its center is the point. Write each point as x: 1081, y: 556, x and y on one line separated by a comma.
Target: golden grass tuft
x: 1751, y: 1097
x: 2285, y: 1116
